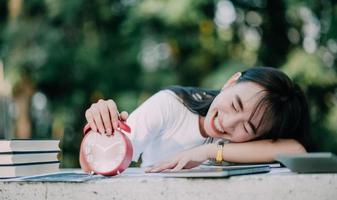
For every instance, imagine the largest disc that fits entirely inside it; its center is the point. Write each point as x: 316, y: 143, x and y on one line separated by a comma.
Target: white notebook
x: 12, y: 146
x: 28, y: 169
x: 215, y: 172
x: 318, y: 162
x: 200, y: 172
x: 21, y: 158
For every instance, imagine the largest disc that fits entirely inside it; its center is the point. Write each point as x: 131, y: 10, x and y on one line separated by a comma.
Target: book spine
x: 29, y: 152
x: 28, y: 164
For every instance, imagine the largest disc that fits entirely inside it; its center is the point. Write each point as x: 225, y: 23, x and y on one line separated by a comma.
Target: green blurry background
x: 57, y: 57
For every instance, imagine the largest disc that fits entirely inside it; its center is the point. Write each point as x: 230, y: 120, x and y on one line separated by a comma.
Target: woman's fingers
x: 104, y: 111
x: 124, y: 115
x: 103, y: 116
x: 113, y: 113
x: 181, y: 164
x: 162, y: 167
x: 90, y: 120
x: 97, y: 118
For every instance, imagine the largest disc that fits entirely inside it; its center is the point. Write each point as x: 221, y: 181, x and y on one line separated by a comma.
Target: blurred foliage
x: 76, y: 52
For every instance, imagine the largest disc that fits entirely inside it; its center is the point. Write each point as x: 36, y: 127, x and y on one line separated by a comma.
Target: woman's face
x: 229, y: 113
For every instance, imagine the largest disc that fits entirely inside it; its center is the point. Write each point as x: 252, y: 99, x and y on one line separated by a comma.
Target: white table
x: 274, y: 185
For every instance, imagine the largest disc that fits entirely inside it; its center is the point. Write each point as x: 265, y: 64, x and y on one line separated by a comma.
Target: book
x: 21, y: 158
x: 61, y: 176
x: 19, y: 170
x: 215, y: 172
x: 14, y: 146
x: 28, y: 157
x: 319, y: 162
x: 227, y: 164
x: 75, y: 175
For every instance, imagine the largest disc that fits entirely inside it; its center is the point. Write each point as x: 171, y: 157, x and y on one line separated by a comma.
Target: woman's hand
x: 187, y: 159
x: 103, y: 116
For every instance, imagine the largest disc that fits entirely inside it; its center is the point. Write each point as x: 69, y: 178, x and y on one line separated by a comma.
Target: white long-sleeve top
x: 161, y: 127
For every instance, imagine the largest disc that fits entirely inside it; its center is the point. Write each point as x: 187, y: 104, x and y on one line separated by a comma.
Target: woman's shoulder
x: 166, y: 92
x: 158, y: 111
x: 166, y: 96
x: 164, y: 103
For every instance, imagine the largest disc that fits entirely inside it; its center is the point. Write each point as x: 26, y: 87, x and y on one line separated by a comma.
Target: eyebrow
x: 238, y: 99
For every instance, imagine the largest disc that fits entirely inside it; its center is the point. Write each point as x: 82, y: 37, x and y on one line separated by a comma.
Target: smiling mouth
x: 215, y: 123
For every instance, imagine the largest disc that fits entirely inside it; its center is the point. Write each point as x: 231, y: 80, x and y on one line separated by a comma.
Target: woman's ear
x: 232, y: 80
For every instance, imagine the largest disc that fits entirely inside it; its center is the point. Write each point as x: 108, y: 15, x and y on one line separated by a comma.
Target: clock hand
x: 108, y: 147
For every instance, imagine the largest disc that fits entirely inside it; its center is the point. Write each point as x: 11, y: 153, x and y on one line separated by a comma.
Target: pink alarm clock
x: 106, y: 155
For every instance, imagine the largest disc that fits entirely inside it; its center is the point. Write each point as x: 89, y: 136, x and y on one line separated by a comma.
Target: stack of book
x: 28, y: 157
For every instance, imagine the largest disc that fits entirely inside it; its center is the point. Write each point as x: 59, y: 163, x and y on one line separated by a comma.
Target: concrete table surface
x: 258, y: 186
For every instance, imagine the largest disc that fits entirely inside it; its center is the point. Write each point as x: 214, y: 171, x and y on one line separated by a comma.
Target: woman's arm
x: 248, y: 152
x: 258, y: 151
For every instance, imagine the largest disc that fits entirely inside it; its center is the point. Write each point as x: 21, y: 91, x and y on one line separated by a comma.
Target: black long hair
x: 286, y: 112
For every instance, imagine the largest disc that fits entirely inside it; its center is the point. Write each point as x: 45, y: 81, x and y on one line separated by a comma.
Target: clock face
x: 104, y: 153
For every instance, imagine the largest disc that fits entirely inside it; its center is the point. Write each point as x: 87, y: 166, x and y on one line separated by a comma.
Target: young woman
x: 259, y: 112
